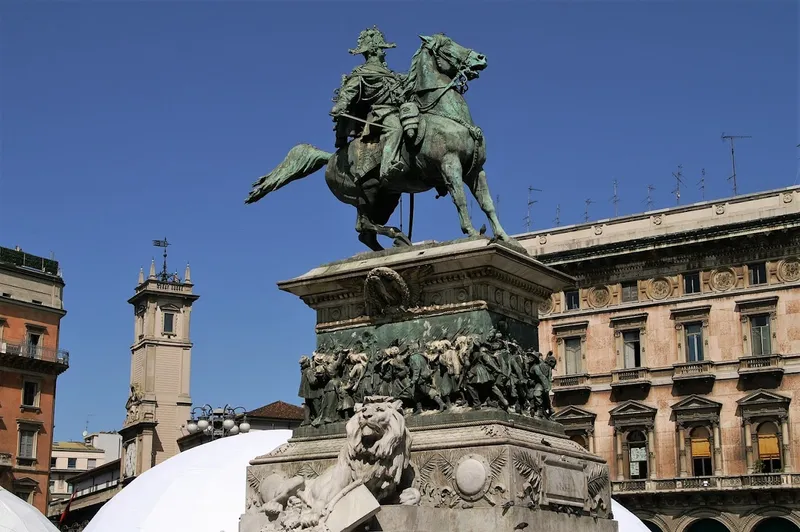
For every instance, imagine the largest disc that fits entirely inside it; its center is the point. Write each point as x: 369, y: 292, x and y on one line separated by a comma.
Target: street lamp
x: 218, y: 422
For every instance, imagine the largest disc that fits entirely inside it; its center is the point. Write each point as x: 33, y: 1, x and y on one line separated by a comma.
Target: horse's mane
x: 413, y: 71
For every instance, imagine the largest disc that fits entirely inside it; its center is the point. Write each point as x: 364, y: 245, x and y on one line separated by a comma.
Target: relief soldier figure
x: 542, y: 371
x: 373, y: 93
x: 310, y: 390
x: 422, y: 380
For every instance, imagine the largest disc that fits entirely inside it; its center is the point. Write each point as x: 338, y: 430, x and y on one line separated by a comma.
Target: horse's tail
x: 301, y: 161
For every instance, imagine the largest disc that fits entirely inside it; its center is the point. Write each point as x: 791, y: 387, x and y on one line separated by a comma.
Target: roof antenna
x: 558, y: 215
x: 527, y: 218
x: 678, y: 182
x: 615, y: 200
x: 702, y: 184
x: 733, y: 156
x: 649, y: 200
x: 586, y: 210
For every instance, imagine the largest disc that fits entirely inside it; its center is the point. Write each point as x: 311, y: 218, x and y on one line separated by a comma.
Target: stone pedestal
x: 428, y: 292
x: 475, y: 469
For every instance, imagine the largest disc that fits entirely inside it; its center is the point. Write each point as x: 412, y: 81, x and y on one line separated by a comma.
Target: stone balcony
x: 693, y: 371
x: 630, y: 377
x: 761, y: 480
x: 571, y: 383
x: 771, y: 365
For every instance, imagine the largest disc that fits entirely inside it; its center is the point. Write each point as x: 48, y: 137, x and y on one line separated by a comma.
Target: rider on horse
x: 373, y: 93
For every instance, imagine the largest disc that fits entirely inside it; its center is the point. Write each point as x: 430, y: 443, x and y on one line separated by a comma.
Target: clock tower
x: 159, y: 402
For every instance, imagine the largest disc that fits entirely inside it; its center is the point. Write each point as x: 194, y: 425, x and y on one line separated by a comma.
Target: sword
x: 351, y: 117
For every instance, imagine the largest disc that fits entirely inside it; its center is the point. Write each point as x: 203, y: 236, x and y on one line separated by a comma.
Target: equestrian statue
x: 399, y: 133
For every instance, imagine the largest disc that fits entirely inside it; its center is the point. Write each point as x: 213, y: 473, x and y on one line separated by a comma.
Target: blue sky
x: 128, y: 121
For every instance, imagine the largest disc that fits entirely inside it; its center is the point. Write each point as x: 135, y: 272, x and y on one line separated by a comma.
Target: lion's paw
x: 410, y: 497
x: 309, y: 518
x: 272, y: 508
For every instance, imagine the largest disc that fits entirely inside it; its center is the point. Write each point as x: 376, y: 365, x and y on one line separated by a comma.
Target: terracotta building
x: 31, y: 308
x: 679, y: 358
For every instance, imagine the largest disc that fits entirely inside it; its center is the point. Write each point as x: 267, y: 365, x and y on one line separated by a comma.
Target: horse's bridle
x: 459, y: 81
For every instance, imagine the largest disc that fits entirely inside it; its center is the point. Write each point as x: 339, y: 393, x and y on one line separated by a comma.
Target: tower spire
x: 141, y: 275
x: 152, y: 270
x: 187, y: 276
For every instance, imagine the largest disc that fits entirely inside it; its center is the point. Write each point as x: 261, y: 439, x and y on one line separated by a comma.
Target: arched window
x: 707, y: 525
x: 769, y: 449
x: 702, y: 462
x: 776, y: 524
x: 580, y: 440
x: 637, y: 454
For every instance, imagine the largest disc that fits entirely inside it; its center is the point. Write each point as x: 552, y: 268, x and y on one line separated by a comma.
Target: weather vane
x: 165, y: 276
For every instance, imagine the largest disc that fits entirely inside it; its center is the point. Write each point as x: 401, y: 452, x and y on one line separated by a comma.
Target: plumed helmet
x: 370, y: 40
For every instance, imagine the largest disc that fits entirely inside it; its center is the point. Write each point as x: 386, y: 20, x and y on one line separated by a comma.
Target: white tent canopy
x: 17, y: 515
x: 203, y: 490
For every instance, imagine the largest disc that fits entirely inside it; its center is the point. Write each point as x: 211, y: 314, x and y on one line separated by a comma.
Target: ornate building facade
x: 31, y: 308
x: 679, y: 357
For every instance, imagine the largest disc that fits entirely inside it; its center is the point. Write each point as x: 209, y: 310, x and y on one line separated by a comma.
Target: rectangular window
x: 694, y: 342
x: 52, y: 485
x: 757, y: 273
x: 632, y: 349
x: 25, y: 495
x: 34, y: 347
x: 53, y: 462
x: 691, y: 283
x: 169, y: 323
x: 630, y: 292
x: 701, y: 457
x: 572, y: 351
x: 91, y: 463
x: 573, y: 300
x: 72, y: 463
x: 760, y: 335
x: 27, y: 444
x: 30, y: 393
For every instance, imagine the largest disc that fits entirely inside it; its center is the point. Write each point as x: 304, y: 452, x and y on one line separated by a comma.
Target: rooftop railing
x: 17, y: 257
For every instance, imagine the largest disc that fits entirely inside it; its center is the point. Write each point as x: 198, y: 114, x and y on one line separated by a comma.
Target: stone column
x: 683, y: 471
x: 619, y: 450
x: 786, y: 454
x: 651, y: 452
x: 748, y: 446
x: 590, y: 437
x: 717, y: 441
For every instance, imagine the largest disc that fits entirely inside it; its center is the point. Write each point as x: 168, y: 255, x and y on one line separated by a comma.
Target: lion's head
x: 378, y: 443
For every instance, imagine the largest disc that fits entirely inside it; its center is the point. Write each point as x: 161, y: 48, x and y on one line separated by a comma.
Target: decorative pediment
x: 696, y: 402
x: 629, y: 321
x: 764, y: 404
x: 688, y: 314
x: 763, y: 397
x: 633, y: 414
x: 766, y: 305
x: 696, y: 409
x: 169, y: 307
x: 632, y: 408
x: 573, y: 414
x: 567, y: 330
x: 25, y: 482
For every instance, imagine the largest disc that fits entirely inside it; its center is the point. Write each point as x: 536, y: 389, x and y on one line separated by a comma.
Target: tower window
x: 169, y: 323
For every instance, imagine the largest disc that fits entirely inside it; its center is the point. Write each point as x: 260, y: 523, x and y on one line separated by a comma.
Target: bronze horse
x: 450, y: 151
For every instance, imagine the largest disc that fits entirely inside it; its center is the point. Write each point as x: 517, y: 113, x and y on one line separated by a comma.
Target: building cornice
x: 648, y: 243
x: 26, y: 304
x: 30, y: 272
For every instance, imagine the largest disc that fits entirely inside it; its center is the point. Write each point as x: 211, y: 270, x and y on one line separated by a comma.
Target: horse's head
x: 452, y: 58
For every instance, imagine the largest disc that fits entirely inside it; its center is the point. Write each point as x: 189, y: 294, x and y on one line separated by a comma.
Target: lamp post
x: 218, y: 422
